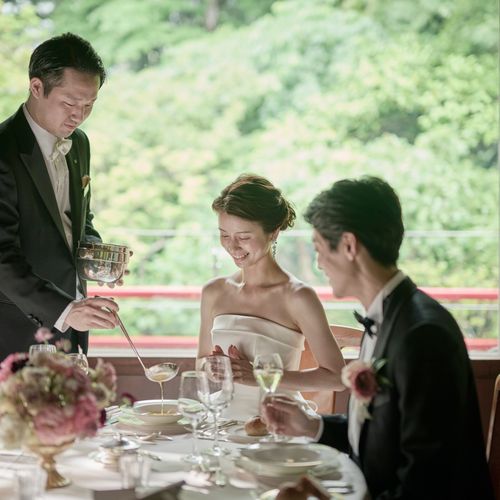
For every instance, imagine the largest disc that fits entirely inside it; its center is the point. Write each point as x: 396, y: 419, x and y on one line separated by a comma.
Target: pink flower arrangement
x: 43, y: 335
x: 49, y: 400
x: 364, y: 379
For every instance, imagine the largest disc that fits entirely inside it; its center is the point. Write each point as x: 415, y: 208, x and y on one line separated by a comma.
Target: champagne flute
x: 38, y: 348
x: 268, y: 371
x: 191, y: 407
x: 79, y: 359
x: 216, y: 391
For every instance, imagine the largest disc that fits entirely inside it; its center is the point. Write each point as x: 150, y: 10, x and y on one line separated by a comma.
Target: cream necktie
x: 61, y: 184
x: 61, y: 147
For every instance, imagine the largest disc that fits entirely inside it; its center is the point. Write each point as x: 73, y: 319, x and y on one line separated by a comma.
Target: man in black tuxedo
x: 44, y: 200
x: 419, y: 436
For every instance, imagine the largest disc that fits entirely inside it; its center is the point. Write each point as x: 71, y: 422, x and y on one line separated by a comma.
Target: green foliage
x: 304, y: 92
x: 138, y: 33
x: 19, y: 28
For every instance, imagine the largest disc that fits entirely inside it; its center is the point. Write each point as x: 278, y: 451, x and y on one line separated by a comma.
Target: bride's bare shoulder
x: 299, y: 291
x: 218, y: 285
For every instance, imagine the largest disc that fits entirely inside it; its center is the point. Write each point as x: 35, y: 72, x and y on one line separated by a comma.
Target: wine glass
x: 38, y: 348
x: 268, y: 371
x: 191, y: 407
x: 79, y: 359
x: 216, y: 391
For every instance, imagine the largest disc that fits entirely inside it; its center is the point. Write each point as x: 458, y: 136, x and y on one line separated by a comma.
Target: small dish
x: 151, y: 412
x: 238, y: 435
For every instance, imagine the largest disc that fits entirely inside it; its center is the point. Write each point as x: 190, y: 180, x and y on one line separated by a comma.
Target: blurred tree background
x: 302, y: 91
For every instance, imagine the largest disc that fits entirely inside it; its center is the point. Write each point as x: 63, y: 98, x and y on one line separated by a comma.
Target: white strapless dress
x: 252, y: 336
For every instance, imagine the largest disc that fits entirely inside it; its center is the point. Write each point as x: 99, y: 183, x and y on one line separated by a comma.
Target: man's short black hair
x: 369, y: 208
x: 52, y: 57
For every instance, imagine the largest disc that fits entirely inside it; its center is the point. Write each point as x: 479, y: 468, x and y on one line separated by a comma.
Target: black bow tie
x: 368, y: 323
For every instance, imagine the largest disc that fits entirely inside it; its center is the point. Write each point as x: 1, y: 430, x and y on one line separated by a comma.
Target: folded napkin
x: 170, y: 492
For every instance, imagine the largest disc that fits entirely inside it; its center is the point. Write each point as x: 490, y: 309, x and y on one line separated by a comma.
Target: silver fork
x: 211, y: 430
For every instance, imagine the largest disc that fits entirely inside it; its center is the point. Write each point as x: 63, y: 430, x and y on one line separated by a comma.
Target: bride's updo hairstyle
x: 254, y: 198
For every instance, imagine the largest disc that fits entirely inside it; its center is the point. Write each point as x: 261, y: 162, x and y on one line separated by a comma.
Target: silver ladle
x: 161, y: 372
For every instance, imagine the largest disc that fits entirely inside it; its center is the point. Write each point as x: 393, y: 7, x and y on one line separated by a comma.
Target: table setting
x: 132, y: 456
x: 241, y: 468
x: 62, y: 436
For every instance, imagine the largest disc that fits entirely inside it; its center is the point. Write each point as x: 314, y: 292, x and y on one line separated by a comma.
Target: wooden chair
x: 346, y: 337
x: 493, y: 441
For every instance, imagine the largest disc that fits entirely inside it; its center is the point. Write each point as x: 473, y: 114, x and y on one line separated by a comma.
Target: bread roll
x: 256, y: 427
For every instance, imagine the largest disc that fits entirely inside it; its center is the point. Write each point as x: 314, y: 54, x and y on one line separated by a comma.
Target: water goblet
x: 79, y: 359
x: 216, y: 391
x: 191, y: 407
x: 38, y: 348
x: 268, y: 371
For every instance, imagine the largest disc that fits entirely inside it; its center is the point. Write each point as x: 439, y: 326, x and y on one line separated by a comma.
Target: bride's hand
x: 217, y: 351
x: 242, y: 369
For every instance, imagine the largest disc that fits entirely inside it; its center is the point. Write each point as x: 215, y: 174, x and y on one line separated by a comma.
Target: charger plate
x: 287, y: 459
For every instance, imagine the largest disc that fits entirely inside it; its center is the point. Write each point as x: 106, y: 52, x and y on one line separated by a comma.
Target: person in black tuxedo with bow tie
x: 419, y: 434
x: 44, y: 200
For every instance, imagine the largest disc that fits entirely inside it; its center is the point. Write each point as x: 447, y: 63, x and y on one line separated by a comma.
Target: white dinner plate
x: 127, y: 424
x: 287, y: 459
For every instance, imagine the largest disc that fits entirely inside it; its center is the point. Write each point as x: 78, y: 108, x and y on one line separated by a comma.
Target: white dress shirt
x: 376, y: 313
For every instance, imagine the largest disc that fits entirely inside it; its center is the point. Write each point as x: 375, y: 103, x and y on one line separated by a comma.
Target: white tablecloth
x: 88, y: 475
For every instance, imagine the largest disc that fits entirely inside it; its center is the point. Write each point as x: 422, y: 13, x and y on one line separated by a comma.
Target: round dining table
x: 91, y: 479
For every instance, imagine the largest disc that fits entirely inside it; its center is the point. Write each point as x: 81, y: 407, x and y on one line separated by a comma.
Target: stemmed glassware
x: 190, y: 406
x: 79, y: 359
x: 216, y: 391
x: 38, y: 348
x: 268, y: 371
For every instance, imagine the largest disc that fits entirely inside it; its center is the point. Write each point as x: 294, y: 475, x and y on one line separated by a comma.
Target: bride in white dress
x: 262, y: 308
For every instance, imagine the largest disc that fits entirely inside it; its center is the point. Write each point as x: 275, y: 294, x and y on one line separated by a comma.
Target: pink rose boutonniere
x: 365, y: 381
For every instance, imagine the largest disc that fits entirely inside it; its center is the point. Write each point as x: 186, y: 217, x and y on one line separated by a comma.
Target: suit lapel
x: 32, y: 158
x: 393, y: 304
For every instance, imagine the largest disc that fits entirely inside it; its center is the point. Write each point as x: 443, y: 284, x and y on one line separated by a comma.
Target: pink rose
x: 106, y: 374
x: 63, y: 345
x: 361, y: 378
x: 43, y: 335
x: 53, y: 425
x: 87, y: 416
x: 11, y: 364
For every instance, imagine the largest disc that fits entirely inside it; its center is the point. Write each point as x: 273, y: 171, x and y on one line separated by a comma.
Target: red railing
x: 324, y: 293
x: 194, y: 293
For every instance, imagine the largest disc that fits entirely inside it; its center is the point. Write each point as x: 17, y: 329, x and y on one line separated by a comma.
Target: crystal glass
x: 216, y: 390
x: 31, y: 480
x: 37, y: 348
x: 134, y: 470
x: 79, y: 359
x: 268, y: 371
x: 190, y: 406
